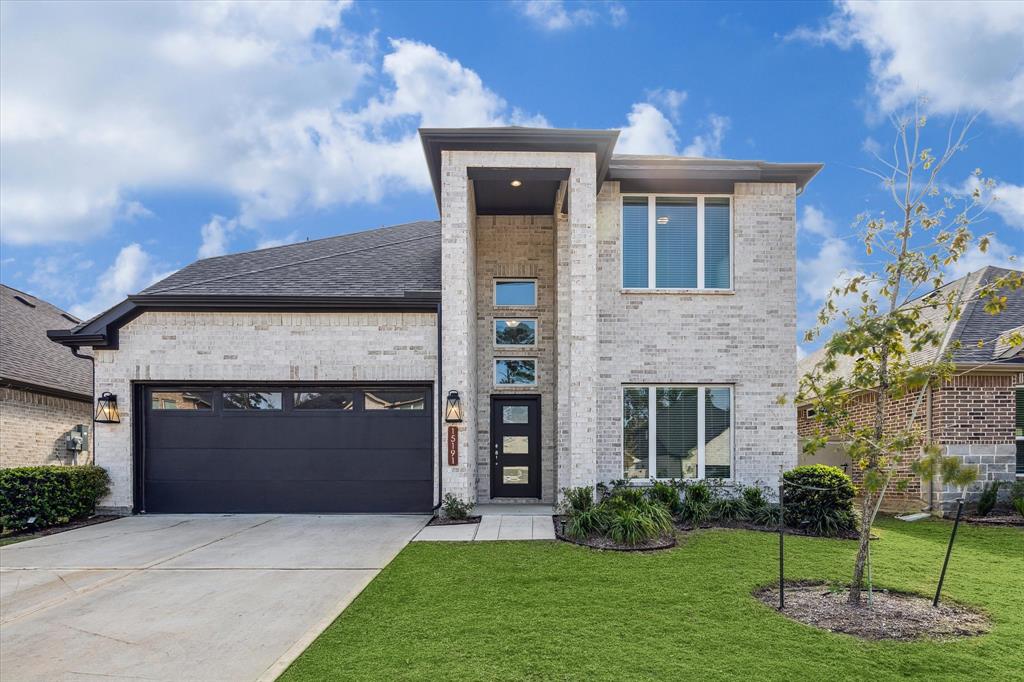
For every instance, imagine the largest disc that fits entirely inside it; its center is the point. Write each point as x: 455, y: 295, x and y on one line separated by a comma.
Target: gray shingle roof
x: 27, y: 356
x: 974, y: 325
x: 385, y: 262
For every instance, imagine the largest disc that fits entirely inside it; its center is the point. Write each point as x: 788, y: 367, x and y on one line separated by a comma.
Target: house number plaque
x: 453, y: 446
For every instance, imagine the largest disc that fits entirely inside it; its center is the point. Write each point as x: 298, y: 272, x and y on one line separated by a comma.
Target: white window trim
x: 536, y: 372
x: 652, y: 203
x: 506, y: 280
x: 536, y: 332
x: 652, y: 430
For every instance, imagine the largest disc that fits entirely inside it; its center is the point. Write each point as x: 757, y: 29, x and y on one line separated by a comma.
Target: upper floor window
x: 515, y: 293
x: 676, y: 242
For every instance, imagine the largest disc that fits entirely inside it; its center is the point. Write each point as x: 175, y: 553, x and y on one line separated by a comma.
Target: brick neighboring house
x: 977, y: 415
x: 45, y: 392
x: 599, y: 317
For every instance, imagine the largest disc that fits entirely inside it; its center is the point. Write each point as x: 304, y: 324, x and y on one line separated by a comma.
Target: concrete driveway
x: 218, y: 597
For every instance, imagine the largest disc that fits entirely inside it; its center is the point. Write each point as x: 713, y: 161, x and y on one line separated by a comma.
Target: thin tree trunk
x: 862, y: 551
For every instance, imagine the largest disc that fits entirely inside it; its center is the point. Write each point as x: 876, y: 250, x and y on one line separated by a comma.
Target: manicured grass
x: 552, y: 611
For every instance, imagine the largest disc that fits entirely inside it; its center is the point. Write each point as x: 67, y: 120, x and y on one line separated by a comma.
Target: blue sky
x: 136, y: 138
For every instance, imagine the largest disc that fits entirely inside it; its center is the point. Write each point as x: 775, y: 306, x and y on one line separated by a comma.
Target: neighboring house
x: 977, y: 415
x: 599, y: 316
x: 45, y: 392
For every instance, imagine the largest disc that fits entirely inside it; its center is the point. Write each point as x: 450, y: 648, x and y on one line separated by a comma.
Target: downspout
x: 440, y: 412
x: 92, y: 402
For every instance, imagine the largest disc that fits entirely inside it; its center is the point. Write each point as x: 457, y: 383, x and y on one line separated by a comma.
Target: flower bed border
x: 666, y: 542
x: 442, y: 521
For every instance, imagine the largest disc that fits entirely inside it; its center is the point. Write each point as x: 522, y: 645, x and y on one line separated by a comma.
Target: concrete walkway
x: 497, y: 522
x: 218, y: 597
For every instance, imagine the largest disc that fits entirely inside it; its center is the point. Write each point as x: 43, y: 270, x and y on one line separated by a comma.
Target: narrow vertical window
x: 716, y: 243
x: 676, y: 244
x: 677, y: 432
x: 717, y: 432
x: 634, y: 242
x: 635, y: 424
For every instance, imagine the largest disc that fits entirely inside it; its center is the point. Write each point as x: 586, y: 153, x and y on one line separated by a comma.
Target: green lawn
x: 553, y: 611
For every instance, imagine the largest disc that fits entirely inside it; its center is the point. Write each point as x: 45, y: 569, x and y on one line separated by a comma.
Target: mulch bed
x: 746, y: 525
x: 602, y: 542
x: 444, y: 521
x: 998, y: 520
x: 52, y: 530
x: 892, y: 616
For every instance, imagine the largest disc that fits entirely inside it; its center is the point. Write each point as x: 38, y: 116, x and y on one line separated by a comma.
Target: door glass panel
x: 515, y: 445
x: 394, y: 399
x: 515, y: 414
x: 331, y: 400
x: 515, y: 475
x: 181, y: 400
x: 252, y: 400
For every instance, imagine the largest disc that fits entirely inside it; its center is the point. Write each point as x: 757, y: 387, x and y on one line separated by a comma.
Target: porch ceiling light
x: 106, y: 409
x: 453, y: 408
x: 516, y: 183
x: 512, y: 323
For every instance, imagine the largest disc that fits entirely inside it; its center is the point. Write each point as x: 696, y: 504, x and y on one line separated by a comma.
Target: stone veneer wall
x: 33, y: 426
x: 516, y: 247
x: 256, y: 347
x: 746, y: 338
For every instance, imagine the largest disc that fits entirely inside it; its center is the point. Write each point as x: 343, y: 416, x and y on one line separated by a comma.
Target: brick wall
x: 516, y: 247
x: 33, y: 427
x: 972, y: 416
x: 201, y: 346
x: 744, y: 338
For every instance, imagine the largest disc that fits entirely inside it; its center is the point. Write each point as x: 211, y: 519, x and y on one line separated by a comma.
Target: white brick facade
x: 232, y: 347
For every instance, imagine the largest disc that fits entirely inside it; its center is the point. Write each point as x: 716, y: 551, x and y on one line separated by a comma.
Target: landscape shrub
x: 667, y: 495
x: 766, y: 515
x: 455, y: 509
x: 43, y: 496
x: 754, y: 496
x: 625, y: 514
x: 989, y: 496
x: 729, y: 508
x: 698, y: 497
x: 819, y: 499
x: 1017, y: 497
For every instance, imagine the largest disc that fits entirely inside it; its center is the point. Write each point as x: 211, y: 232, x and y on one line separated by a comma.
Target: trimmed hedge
x: 52, y: 494
x: 819, y: 499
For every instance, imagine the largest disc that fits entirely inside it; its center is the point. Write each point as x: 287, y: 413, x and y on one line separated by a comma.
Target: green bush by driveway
x: 553, y: 611
x: 51, y: 494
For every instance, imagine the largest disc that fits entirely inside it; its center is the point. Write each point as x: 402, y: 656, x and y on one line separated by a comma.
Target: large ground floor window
x: 677, y: 431
x: 1019, y: 433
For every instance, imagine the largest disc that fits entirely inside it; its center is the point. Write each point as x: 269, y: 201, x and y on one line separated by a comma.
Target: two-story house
x: 574, y: 317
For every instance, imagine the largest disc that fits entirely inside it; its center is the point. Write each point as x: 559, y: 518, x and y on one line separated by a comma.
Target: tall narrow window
x: 677, y: 432
x: 716, y: 243
x: 676, y: 244
x: 634, y: 242
x: 635, y: 430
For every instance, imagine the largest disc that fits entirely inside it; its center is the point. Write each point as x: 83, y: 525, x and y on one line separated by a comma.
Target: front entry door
x: 515, y: 446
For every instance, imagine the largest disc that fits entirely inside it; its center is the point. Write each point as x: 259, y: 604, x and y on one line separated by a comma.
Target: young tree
x: 887, y: 346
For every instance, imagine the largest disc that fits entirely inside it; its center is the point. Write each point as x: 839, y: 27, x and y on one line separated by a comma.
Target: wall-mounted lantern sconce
x: 106, y: 409
x: 453, y: 408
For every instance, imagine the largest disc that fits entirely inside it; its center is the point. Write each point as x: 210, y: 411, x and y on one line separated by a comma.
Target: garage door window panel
x: 394, y: 400
x: 324, y: 400
x: 252, y: 400
x: 183, y: 401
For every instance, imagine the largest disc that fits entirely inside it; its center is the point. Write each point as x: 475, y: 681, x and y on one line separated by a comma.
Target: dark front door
x: 296, y: 448
x: 515, y: 446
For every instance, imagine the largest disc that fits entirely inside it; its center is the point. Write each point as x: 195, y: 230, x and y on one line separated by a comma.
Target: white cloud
x: 963, y: 56
x: 814, y: 221
x: 1008, y: 203
x: 999, y: 254
x: 831, y: 266
x: 261, y: 101
x: 709, y: 144
x: 668, y: 100
x: 215, y: 236
x: 133, y: 270
x: 557, y: 15
x: 649, y: 131
x: 270, y: 243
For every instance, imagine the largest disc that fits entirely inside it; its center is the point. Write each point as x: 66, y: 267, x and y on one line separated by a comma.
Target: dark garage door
x: 288, y: 449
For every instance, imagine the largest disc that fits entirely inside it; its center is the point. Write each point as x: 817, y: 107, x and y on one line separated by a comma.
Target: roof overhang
x: 102, y: 330
x: 515, y: 139
x: 652, y: 174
